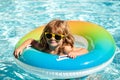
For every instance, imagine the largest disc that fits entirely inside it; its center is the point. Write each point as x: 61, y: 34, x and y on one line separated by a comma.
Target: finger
x: 15, y: 54
x: 70, y: 56
x: 19, y: 54
x: 74, y: 56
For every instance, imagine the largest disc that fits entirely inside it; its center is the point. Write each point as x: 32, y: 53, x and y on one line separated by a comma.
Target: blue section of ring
x: 48, y: 61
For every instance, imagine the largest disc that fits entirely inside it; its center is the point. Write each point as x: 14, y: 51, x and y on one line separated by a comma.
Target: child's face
x: 54, y: 40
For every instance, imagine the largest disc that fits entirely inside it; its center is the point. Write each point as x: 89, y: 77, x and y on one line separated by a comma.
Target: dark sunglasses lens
x: 57, y: 37
x: 49, y: 36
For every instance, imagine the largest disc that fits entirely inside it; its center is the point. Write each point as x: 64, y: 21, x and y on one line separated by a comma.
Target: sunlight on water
x: 19, y: 17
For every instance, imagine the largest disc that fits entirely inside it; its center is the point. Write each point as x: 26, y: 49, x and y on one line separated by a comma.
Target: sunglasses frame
x: 53, y: 35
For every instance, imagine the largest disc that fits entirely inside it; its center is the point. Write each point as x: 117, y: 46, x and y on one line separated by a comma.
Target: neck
x: 53, y: 50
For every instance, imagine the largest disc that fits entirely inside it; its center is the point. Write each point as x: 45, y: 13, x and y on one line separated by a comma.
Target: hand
x: 72, y: 54
x: 18, y: 52
x: 76, y: 52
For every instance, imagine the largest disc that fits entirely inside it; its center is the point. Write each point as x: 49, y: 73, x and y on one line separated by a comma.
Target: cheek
x: 60, y: 42
x: 47, y: 41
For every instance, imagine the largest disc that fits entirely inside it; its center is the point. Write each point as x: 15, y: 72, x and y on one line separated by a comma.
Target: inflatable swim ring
x: 101, y: 48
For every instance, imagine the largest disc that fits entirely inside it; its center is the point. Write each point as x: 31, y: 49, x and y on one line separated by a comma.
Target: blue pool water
x: 18, y: 17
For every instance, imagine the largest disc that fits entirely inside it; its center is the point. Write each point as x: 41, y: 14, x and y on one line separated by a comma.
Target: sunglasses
x: 56, y: 36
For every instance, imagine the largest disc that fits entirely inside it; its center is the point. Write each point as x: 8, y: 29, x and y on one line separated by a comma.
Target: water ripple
x: 19, y: 17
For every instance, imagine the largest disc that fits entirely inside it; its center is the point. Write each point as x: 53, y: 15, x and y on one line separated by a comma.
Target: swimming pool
x: 18, y: 17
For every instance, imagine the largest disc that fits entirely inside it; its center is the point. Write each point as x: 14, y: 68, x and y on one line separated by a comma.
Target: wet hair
x: 57, y: 27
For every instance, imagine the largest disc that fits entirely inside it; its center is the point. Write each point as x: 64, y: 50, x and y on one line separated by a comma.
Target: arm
x: 77, y: 51
x: 19, y: 50
x: 73, y: 52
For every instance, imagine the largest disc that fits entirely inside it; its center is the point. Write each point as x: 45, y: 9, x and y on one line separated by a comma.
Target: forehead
x: 56, y: 29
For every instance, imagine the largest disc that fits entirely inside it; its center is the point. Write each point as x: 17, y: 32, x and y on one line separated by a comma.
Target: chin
x: 53, y: 44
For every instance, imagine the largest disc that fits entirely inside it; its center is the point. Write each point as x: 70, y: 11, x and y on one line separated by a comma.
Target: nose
x: 53, y: 38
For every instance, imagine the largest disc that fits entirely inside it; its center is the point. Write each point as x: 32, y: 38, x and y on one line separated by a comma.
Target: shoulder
x: 67, y: 49
x: 34, y: 42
